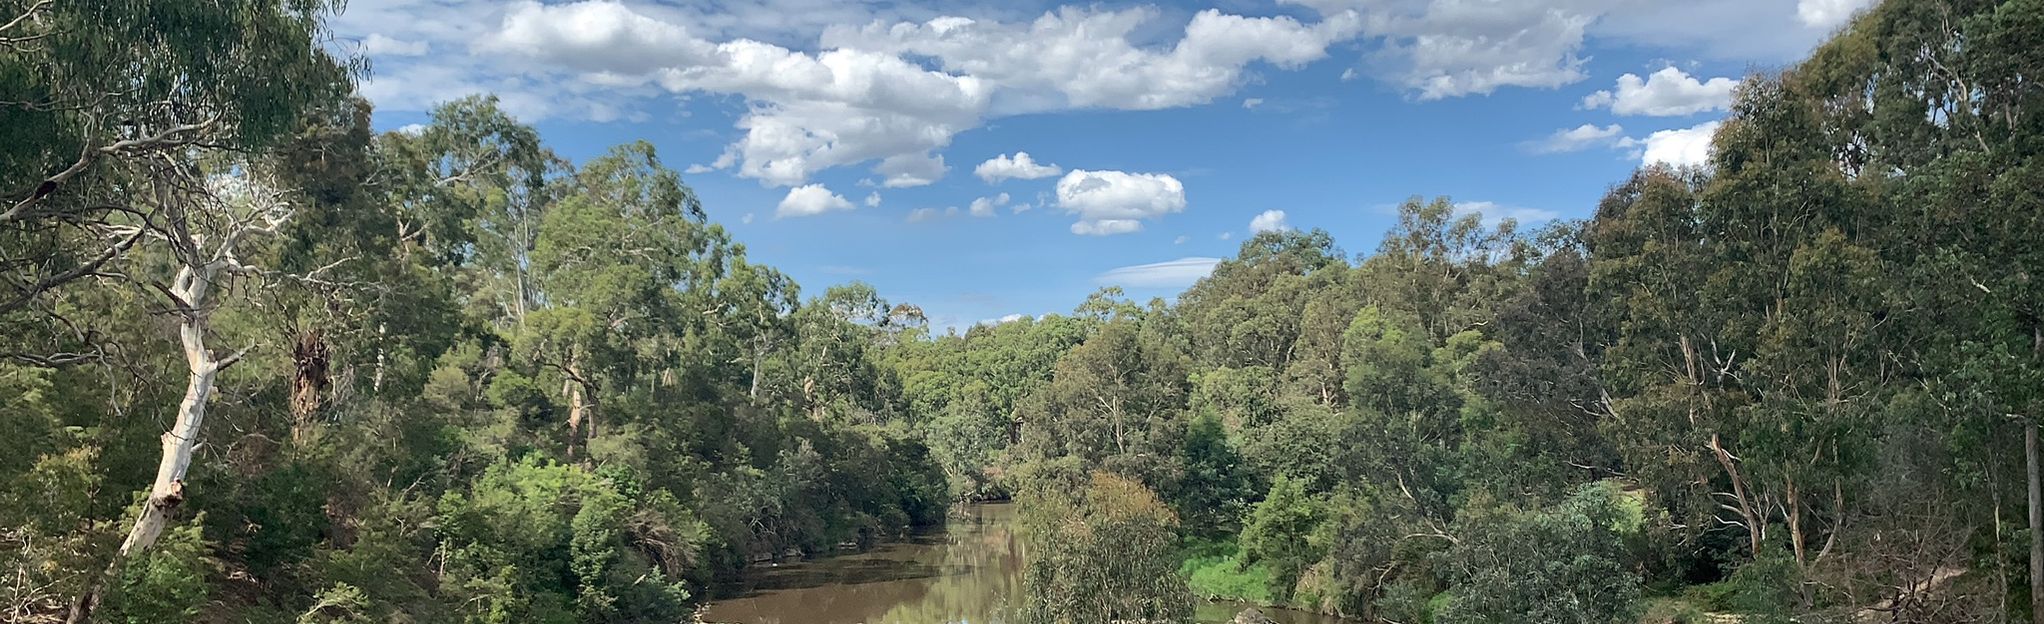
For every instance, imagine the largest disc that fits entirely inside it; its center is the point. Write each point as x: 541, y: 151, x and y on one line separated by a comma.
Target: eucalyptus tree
x: 97, y: 97
x: 126, y: 129
x: 615, y: 271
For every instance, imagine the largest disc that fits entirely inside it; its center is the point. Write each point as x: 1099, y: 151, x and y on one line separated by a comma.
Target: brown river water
x: 969, y: 573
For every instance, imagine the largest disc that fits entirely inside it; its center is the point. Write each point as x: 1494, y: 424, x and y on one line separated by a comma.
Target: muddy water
x: 970, y: 573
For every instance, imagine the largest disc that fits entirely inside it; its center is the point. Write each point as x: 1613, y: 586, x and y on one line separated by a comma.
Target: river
x: 969, y: 573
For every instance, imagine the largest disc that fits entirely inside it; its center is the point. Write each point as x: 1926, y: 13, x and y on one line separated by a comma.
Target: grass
x: 1214, y: 570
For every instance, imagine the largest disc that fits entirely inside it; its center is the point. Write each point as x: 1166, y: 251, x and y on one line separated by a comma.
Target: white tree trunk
x: 192, y: 289
x: 178, y: 443
x: 191, y: 294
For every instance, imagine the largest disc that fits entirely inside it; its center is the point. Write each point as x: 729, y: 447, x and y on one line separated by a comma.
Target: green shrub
x: 1558, y: 565
x: 166, y: 584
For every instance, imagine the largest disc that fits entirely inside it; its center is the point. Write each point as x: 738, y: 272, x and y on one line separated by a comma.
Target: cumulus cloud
x: 910, y: 170
x: 812, y: 199
x: 1252, y: 103
x: 1669, y: 92
x: 1451, y: 48
x: 873, y: 199
x: 1679, y: 147
x: 1018, y: 167
x: 1172, y: 274
x: 1577, y: 139
x: 595, y: 36
x: 890, y: 91
x: 1076, y: 57
x: 984, y: 206
x: 1269, y: 221
x: 1115, y: 202
x: 1828, y: 14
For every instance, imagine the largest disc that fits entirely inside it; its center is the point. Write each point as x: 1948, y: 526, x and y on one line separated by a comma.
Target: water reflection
x: 963, y: 575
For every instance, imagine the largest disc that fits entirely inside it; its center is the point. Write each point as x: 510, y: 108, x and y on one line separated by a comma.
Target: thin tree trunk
x: 1748, y: 512
x: 2036, y: 520
x: 758, y: 351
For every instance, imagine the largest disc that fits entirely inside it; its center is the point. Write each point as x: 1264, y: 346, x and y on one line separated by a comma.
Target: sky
x: 992, y: 160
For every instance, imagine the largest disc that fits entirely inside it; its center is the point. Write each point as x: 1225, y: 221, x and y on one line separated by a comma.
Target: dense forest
x: 259, y: 363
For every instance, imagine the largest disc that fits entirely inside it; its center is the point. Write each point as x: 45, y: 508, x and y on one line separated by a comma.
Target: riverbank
x: 970, y: 571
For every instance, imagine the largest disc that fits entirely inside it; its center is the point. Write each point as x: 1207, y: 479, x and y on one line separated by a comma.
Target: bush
x: 1101, y: 554
x: 1280, y: 533
x: 1559, y: 565
x: 166, y: 584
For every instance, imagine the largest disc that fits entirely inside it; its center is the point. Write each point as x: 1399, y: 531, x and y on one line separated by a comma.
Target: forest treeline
x: 262, y: 363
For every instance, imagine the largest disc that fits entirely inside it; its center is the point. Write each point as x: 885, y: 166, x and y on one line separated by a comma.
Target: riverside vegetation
x: 262, y: 364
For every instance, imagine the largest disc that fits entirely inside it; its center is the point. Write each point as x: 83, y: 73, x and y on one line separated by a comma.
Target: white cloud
x: 911, y: 170
x: 1828, y: 14
x: 595, y: 36
x: 1577, y: 139
x: 412, y: 129
x: 984, y: 206
x: 1451, y: 48
x: 377, y: 44
x: 1115, y: 202
x: 873, y: 200
x: 1019, y: 167
x: 1076, y: 57
x: 1173, y: 274
x: 1252, y: 103
x: 1226, y: 235
x: 1493, y: 212
x: 746, y: 219
x: 1269, y: 221
x: 1680, y: 147
x: 812, y: 199
x: 1669, y: 92
x: 891, y: 91
x: 1180, y: 240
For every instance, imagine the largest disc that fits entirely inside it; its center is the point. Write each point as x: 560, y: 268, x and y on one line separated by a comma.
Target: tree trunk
x: 309, y: 378
x: 192, y: 288
x: 2036, y: 520
x: 1749, y: 513
x: 758, y: 351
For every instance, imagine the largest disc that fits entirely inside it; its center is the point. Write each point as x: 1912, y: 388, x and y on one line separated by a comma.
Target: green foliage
x: 526, y: 526
x: 1101, y: 552
x: 1555, y: 565
x: 170, y: 583
x: 1216, y: 487
x: 1281, y: 532
x: 1216, y: 571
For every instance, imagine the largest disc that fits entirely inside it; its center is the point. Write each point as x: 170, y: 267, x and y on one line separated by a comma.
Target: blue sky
x: 1158, y: 134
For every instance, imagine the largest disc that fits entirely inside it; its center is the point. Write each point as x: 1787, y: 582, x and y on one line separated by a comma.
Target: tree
x: 1101, y: 553
x: 100, y: 98
x: 1282, y: 530
x: 1117, y: 402
x: 1554, y: 566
